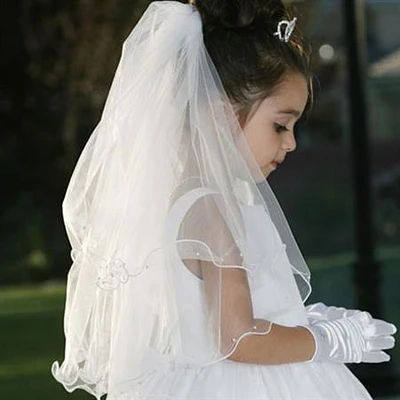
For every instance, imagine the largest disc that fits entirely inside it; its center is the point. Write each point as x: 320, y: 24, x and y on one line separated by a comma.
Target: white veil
x: 167, y: 130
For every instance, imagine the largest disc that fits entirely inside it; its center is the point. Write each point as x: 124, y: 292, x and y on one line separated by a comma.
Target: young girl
x: 186, y: 281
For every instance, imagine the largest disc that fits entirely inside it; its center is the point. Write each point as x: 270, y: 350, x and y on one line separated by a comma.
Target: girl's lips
x: 274, y: 164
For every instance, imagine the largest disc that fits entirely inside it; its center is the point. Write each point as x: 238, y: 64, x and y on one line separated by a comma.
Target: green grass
x: 31, y: 324
x: 31, y: 335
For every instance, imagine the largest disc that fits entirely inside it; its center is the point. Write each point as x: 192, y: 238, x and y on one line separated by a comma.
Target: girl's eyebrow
x: 293, y: 112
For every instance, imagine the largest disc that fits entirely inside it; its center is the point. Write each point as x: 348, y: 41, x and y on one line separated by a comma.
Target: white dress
x: 230, y: 380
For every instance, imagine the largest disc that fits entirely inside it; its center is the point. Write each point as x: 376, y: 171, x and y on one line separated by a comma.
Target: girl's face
x: 270, y: 129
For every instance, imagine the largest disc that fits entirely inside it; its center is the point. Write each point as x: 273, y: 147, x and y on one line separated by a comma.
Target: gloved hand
x: 319, y: 311
x: 354, y: 339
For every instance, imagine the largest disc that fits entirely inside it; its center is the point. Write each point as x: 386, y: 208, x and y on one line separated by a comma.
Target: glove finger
x: 363, y: 317
x: 349, y: 313
x: 333, y: 313
x: 316, y: 311
x: 316, y: 306
x: 380, y: 343
x: 375, y: 357
x: 379, y: 327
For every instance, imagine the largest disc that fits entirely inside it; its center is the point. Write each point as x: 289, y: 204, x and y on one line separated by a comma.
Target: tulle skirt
x: 229, y: 380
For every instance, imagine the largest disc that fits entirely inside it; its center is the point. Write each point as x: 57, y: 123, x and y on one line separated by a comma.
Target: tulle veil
x: 167, y: 130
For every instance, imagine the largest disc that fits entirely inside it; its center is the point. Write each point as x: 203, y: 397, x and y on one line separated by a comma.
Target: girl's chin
x: 268, y: 170
x: 267, y: 176
x: 265, y: 173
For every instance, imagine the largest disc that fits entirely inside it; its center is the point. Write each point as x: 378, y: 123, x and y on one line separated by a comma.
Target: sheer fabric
x: 167, y: 131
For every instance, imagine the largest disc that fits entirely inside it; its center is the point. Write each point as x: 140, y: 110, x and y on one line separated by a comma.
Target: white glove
x: 319, y: 311
x: 355, y: 339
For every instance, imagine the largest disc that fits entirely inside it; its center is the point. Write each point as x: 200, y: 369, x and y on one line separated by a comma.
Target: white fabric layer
x: 275, y: 298
x: 168, y: 128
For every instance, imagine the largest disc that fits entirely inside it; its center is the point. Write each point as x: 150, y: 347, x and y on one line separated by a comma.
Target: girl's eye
x: 280, y: 128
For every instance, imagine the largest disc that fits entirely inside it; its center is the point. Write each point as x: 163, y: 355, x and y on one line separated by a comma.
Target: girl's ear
x: 239, y: 113
x: 229, y: 109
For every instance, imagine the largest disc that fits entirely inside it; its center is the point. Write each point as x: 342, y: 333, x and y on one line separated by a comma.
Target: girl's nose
x: 290, y: 142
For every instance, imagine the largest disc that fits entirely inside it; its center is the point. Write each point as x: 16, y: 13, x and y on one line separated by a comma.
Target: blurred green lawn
x: 32, y: 338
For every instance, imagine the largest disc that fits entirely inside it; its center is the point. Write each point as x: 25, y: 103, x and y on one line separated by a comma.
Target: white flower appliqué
x: 112, y: 275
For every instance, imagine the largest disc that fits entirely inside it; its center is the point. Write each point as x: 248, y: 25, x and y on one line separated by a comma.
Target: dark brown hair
x: 251, y: 61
